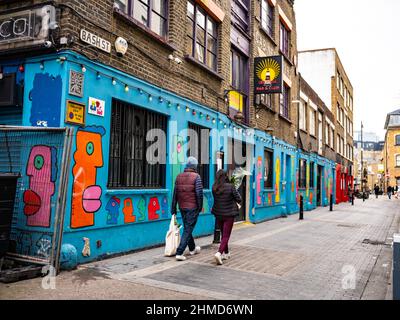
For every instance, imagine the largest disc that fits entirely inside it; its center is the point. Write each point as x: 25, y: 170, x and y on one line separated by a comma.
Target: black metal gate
x: 34, y: 166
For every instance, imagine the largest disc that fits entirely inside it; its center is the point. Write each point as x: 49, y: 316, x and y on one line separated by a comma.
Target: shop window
x: 130, y: 166
x: 302, y: 174
x: 151, y: 13
x: 312, y: 174
x: 267, y: 17
x: 268, y: 168
x: 201, y: 36
x: 199, y: 147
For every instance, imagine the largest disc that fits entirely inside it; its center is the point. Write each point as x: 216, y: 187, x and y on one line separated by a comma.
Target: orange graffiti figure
x: 311, y: 198
x: 128, y: 211
x: 85, y: 193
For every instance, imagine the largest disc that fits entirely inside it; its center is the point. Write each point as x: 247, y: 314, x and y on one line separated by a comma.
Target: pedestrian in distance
x: 225, y: 209
x: 188, y: 194
x: 389, y: 192
x: 376, y: 190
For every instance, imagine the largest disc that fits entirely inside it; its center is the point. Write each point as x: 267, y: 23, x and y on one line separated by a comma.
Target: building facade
x: 391, y: 150
x: 124, y: 75
x: 325, y: 73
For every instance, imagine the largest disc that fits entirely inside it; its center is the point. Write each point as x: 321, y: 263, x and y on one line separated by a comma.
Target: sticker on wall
x: 153, y: 207
x: 76, y: 81
x: 75, y: 113
x: 86, y: 247
x: 127, y: 210
x: 112, y: 208
x: 96, y: 107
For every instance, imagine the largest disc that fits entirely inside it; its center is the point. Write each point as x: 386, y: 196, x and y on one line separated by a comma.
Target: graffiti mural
x: 142, y: 209
x: 178, y: 157
x: 153, y: 207
x: 258, y: 180
x: 164, y: 207
x: 42, y: 172
x: 127, y: 210
x: 45, y: 95
x: 85, y: 193
x: 44, y: 246
x: 277, y: 180
x: 112, y: 208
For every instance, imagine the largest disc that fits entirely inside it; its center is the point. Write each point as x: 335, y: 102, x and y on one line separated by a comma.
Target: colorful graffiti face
x: 153, y: 207
x: 164, y: 207
x: 128, y: 211
x: 258, y: 181
x: 113, y: 210
x: 278, y: 180
x: 142, y: 209
x: 42, y: 172
x: 85, y: 193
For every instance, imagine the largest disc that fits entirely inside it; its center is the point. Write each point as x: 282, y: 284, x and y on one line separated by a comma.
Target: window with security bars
x: 199, y: 147
x: 129, y: 166
x: 312, y: 174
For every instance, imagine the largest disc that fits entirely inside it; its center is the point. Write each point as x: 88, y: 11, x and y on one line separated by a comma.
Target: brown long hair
x: 220, y: 179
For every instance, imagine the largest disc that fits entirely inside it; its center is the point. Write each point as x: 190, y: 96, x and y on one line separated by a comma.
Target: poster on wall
x: 268, y: 75
x: 76, y: 80
x: 75, y: 113
x: 96, y: 107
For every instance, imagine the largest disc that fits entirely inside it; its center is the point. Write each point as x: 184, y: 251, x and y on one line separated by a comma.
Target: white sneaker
x: 218, y: 258
x: 180, y: 258
x: 226, y: 256
x: 196, y: 251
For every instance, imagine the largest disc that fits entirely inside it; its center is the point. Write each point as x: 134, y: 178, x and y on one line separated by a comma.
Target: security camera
x: 178, y: 61
x: 48, y: 44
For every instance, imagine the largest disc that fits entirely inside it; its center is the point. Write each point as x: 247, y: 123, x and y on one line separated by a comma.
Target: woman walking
x: 225, y: 209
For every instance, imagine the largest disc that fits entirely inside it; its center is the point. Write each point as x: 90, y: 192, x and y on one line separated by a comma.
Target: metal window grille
x: 128, y: 166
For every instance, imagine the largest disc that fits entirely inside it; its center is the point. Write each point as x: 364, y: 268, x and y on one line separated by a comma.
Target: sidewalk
x: 344, y: 254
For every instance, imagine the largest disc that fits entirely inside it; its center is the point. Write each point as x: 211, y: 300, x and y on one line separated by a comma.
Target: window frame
x: 130, y: 6
x: 313, y: 127
x: 397, y: 139
x: 269, y: 182
x: 284, y: 39
x: 193, y: 37
x: 303, y: 116
x: 302, y: 173
x: 120, y: 154
x: 312, y: 175
x: 397, y: 160
x: 270, y: 17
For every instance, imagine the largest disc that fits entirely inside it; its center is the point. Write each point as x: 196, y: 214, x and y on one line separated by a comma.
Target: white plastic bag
x: 173, y: 238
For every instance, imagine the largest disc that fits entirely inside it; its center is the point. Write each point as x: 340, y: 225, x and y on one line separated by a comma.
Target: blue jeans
x: 189, y: 218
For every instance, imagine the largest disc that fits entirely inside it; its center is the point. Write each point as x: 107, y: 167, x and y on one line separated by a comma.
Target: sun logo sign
x: 268, y: 75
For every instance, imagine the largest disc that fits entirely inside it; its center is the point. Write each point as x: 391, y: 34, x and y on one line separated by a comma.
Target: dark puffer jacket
x: 188, y: 191
x: 225, y: 203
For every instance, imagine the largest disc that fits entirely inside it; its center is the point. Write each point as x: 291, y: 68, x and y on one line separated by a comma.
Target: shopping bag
x: 173, y: 238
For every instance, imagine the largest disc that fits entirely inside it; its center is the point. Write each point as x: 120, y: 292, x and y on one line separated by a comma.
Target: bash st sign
x: 268, y: 73
x: 95, y: 40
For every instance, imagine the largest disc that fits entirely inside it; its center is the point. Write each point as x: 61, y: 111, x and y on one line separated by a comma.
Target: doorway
x: 238, y: 150
x: 288, y: 179
x: 319, y: 186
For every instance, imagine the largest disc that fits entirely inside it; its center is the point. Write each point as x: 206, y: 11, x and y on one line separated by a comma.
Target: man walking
x: 188, y: 193
x: 376, y: 189
x: 389, y: 192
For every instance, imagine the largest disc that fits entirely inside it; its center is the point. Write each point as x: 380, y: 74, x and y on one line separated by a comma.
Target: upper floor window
x: 151, y: 13
x: 397, y: 139
x: 398, y: 160
x: 285, y: 102
x: 240, y: 13
x: 267, y: 17
x: 394, y: 120
x: 312, y: 122
x: 202, y: 36
x: 284, y: 40
x: 302, y: 116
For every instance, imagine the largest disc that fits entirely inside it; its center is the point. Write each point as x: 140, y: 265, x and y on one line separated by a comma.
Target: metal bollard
x: 352, y: 199
x: 301, y: 208
x: 396, y: 267
x: 363, y: 196
x: 217, y: 233
x: 331, y: 203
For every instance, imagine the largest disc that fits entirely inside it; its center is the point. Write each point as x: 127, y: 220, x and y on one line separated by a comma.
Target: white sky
x: 366, y: 34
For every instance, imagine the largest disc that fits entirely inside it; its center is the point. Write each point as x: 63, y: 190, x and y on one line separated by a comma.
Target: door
x: 319, y: 186
x: 288, y: 179
x: 239, y: 159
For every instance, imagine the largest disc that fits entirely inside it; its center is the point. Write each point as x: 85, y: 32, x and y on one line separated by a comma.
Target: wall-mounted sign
x: 268, y: 75
x: 121, y: 46
x: 75, y: 113
x: 27, y: 27
x: 76, y: 81
x: 96, y: 107
x: 95, y: 41
x: 236, y: 103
